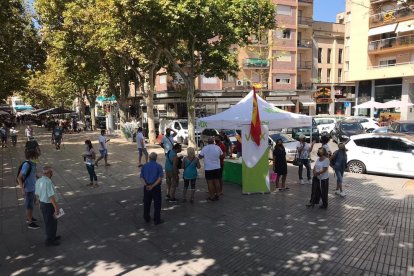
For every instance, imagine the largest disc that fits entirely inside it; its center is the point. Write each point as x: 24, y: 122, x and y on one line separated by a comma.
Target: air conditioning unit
x: 248, y: 83
x: 239, y: 82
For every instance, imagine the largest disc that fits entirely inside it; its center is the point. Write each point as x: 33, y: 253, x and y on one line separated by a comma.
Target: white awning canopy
x: 282, y: 103
x: 383, y: 29
x: 405, y: 26
x: 307, y: 102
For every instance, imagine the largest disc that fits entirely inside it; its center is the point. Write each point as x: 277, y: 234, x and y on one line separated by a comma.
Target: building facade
x: 381, y: 52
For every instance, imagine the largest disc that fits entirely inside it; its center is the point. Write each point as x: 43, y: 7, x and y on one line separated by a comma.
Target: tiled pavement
x: 370, y: 232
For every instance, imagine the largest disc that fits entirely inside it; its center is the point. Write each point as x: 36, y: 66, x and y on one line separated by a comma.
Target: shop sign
x: 347, y: 104
x: 323, y: 100
x: 205, y: 100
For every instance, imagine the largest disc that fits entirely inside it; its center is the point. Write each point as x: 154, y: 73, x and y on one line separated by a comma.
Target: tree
x: 21, y: 53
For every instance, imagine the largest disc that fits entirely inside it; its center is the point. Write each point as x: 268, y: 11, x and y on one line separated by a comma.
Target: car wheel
x: 356, y: 166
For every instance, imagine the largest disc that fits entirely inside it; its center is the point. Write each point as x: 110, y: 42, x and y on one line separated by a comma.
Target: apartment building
x: 381, y: 52
x: 333, y: 95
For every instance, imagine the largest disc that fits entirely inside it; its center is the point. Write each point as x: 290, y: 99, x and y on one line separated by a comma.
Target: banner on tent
x: 255, y: 164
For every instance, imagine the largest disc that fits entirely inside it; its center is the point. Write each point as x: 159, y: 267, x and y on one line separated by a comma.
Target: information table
x: 232, y: 171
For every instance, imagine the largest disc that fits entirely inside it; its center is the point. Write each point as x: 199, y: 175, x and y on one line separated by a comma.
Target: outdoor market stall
x: 255, y: 153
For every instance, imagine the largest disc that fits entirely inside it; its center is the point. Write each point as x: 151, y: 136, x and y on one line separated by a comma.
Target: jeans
x: 50, y: 222
x: 306, y: 163
x: 339, y: 176
x: 149, y: 196
x: 320, y: 190
x: 91, y: 171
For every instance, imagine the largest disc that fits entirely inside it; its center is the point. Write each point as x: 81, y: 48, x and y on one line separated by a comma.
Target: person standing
x: 320, y: 181
x: 103, y: 148
x: 13, y: 136
x: 151, y: 174
x: 29, y: 132
x: 280, y: 165
x: 89, y: 157
x: 167, y: 141
x: 239, y: 147
x: 3, y: 135
x: 172, y: 172
x: 211, y: 154
x: 45, y: 190
x: 27, y: 179
x: 324, y: 142
x: 304, y: 150
x: 220, y: 144
x: 57, y: 136
x: 190, y: 166
x: 142, y: 148
x: 339, y: 161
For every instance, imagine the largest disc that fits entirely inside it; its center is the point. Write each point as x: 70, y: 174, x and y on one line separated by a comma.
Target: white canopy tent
x: 241, y: 114
x: 370, y: 104
x: 397, y: 104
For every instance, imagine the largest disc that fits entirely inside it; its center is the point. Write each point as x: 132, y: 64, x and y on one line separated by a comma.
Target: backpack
x: 28, y: 171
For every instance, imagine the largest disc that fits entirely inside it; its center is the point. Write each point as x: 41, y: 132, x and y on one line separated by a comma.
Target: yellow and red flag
x: 255, y: 127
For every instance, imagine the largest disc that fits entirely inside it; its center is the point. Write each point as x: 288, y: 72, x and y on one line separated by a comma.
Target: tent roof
x: 241, y: 114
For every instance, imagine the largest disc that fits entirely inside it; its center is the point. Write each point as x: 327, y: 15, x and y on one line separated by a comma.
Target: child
x: 190, y: 166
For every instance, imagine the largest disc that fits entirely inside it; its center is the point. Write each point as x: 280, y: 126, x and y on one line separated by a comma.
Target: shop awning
x: 282, y: 103
x: 405, y: 26
x: 383, y: 29
x: 307, y: 102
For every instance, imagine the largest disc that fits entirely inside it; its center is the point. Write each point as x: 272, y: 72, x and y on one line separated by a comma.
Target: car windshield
x: 229, y: 132
x: 285, y: 139
x: 351, y: 126
x: 184, y: 125
x: 407, y: 127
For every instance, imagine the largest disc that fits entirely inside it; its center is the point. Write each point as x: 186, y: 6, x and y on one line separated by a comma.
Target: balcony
x: 255, y: 63
x: 391, y: 16
x: 304, y: 65
x: 304, y: 86
x: 306, y: 21
x: 305, y: 44
x: 392, y: 44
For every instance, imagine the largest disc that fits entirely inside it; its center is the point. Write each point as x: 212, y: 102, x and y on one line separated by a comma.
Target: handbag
x: 273, y: 176
x: 297, y: 161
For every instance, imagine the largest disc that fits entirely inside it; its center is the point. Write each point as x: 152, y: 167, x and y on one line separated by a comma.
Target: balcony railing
x: 255, y: 63
x: 304, y: 65
x: 391, y: 65
x: 305, y: 21
x: 304, y: 86
x: 305, y: 43
x: 391, y: 16
x: 391, y: 43
x: 306, y: 1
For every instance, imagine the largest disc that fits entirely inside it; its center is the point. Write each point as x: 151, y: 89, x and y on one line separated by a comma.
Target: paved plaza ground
x: 370, y: 232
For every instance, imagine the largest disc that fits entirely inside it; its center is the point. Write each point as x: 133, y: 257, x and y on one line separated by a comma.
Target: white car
x: 368, y: 123
x: 384, y: 153
x: 325, y: 125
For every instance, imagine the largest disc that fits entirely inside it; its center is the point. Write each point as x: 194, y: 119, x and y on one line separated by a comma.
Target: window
x: 283, y: 79
x: 340, y: 56
x: 228, y: 78
x: 399, y: 145
x: 347, y: 65
x: 283, y: 10
x: 283, y: 56
x: 328, y: 75
x: 329, y: 55
x: 387, y: 62
x: 339, y: 75
x: 319, y: 55
x: 286, y: 34
x: 177, y: 126
x: 378, y: 143
x: 319, y: 74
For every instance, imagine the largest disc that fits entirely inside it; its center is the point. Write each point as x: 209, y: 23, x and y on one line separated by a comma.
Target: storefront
x: 323, y: 100
x: 344, y: 100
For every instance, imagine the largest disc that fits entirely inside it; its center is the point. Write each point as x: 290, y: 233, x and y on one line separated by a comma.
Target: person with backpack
x: 190, y: 165
x: 167, y: 141
x: 26, y: 178
x: 3, y: 135
x: 339, y: 160
x: 57, y: 136
x: 172, y: 167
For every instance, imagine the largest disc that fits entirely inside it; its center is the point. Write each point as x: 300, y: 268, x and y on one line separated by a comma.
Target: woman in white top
x: 320, y: 181
x: 89, y: 157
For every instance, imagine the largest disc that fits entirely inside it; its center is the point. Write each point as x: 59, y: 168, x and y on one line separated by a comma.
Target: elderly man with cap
x: 304, y: 150
x: 151, y: 174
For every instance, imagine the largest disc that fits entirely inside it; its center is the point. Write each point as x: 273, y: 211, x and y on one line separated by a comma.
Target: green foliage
x: 21, y: 53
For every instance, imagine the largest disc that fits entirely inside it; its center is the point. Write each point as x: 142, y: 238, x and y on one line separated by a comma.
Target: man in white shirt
x: 167, y: 141
x: 103, y: 148
x: 211, y: 154
x: 142, y: 148
x: 304, y: 150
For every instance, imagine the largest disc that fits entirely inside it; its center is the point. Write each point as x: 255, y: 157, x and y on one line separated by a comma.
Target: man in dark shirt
x: 152, y: 174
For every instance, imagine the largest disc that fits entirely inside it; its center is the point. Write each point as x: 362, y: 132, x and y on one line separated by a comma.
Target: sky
x: 326, y: 10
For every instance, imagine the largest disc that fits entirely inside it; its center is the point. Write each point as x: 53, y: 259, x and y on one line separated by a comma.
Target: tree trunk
x: 92, y: 106
x: 149, y: 101
x: 191, y: 113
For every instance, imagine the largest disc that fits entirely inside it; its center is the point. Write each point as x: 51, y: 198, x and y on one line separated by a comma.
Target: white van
x: 178, y: 125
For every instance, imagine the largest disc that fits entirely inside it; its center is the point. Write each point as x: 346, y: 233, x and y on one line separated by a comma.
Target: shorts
x: 212, y: 174
x: 58, y: 139
x: 142, y: 150
x: 103, y: 152
x: 29, y: 200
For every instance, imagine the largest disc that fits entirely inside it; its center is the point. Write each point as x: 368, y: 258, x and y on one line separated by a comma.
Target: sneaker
x: 172, y: 200
x: 302, y: 182
x: 310, y: 181
x: 33, y: 220
x: 337, y: 192
x: 33, y: 225
x: 342, y: 194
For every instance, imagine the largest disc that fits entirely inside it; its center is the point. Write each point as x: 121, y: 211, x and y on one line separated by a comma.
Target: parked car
x: 385, y: 153
x: 368, y: 123
x: 289, y: 143
x: 180, y: 126
x: 296, y: 132
x: 403, y: 127
x: 325, y: 125
x: 382, y: 130
x: 211, y: 132
x: 345, y: 130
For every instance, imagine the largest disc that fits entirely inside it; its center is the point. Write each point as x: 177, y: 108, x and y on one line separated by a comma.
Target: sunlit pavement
x: 370, y: 231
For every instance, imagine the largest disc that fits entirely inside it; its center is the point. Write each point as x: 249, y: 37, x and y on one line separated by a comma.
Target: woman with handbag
x: 320, y: 181
x: 280, y: 165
